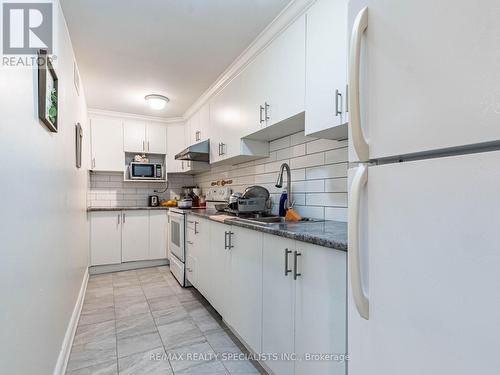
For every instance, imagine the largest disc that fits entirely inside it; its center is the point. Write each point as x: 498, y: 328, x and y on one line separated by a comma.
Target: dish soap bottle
x: 283, y: 199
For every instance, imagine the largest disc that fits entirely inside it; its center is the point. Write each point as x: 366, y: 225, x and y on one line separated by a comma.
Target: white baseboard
x: 62, y: 360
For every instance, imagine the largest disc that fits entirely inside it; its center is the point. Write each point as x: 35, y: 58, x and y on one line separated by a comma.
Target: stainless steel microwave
x: 146, y: 171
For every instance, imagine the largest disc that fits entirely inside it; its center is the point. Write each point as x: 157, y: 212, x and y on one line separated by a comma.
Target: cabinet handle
x: 123, y: 217
x: 222, y: 145
x: 143, y: 146
x: 230, y: 246
x: 296, y: 255
x: 189, y: 242
x: 148, y: 146
x: 93, y: 163
x: 225, y: 240
x: 198, y: 135
x: 119, y: 219
x: 261, y: 109
x: 266, y: 108
x: 195, y: 227
x: 338, y: 100
x: 287, y: 271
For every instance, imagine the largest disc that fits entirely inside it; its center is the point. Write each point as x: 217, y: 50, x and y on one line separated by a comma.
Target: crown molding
x: 287, y: 16
x: 132, y: 116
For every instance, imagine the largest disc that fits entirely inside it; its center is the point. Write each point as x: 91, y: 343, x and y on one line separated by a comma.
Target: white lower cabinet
x: 320, y: 308
x: 126, y: 236
x: 105, y: 238
x: 304, y: 311
x: 279, y: 295
x: 278, y: 301
x: 135, y: 235
x: 158, y: 224
x: 219, y: 263
x: 245, y: 297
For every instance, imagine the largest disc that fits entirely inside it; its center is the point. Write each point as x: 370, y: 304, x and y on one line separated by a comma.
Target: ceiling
x: 127, y: 49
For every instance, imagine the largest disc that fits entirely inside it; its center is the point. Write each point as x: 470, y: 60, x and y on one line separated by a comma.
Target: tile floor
x: 131, y: 319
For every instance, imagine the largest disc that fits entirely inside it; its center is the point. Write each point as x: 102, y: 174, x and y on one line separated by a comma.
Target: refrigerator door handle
x: 361, y: 300
x: 358, y: 139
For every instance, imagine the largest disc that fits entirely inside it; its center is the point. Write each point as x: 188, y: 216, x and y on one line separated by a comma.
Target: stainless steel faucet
x: 279, y: 183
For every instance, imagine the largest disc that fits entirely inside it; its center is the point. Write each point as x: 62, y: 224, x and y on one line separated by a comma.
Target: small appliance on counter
x: 186, y: 202
x: 153, y: 201
x: 192, y: 193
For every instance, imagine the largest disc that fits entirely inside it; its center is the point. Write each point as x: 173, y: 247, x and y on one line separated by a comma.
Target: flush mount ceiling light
x: 156, y: 101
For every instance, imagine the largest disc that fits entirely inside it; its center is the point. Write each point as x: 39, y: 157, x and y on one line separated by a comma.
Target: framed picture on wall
x: 47, y: 92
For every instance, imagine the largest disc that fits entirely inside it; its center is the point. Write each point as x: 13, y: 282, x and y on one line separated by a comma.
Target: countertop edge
x: 95, y: 209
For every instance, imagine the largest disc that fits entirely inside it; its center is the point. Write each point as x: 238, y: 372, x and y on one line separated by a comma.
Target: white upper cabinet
x: 107, y: 144
x: 134, y: 136
x: 227, y: 129
x: 286, y: 81
x: 156, y: 138
x: 144, y: 137
x: 226, y: 119
x: 175, y: 144
x: 254, y: 79
x: 326, y: 69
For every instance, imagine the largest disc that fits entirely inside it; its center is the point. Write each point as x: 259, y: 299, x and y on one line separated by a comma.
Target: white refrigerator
x: 424, y: 202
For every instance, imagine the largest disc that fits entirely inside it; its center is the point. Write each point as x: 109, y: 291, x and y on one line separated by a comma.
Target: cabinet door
x: 175, y: 144
x: 156, y: 138
x: 135, y: 235
x: 219, y: 267
x: 320, y: 308
x: 226, y: 118
x: 204, y: 122
x: 286, y: 82
x: 157, y: 234
x: 245, y: 299
x: 105, y: 238
x: 326, y: 61
x: 134, y: 136
x: 201, y: 241
x: 107, y: 144
x: 254, y: 80
x: 278, y: 301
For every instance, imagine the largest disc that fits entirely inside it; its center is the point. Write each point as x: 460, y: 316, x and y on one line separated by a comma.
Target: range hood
x: 198, y: 152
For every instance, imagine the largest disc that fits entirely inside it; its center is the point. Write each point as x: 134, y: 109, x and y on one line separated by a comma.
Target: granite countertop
x: 332, y: 234
x: 124, y: 208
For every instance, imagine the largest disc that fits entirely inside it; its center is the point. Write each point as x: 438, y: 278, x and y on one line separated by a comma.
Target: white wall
x: 43, y: 223
x: 319, y: 175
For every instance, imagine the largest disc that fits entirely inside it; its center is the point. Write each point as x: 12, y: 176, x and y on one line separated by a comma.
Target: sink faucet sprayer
x: 279, y: 183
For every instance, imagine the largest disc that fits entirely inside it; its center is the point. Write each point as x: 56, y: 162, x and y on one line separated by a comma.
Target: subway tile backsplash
x: 319, y: 175
x: 319, y: 179
x: 107, y: 189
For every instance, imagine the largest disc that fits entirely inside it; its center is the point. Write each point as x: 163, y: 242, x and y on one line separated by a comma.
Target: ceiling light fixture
x: 156, y: 101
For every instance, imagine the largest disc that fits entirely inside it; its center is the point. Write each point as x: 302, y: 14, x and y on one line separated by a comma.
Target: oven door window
x: 175, y: 233
x: 146, y: 170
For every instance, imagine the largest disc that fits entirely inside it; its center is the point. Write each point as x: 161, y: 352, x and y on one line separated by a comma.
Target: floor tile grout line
x: 156, y: 326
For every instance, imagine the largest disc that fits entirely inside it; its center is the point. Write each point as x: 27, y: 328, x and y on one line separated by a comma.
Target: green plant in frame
x: 53, y: 107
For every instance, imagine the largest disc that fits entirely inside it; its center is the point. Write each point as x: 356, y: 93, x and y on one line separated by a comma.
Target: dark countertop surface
x: 90, y: 209
x: 332, y: 234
